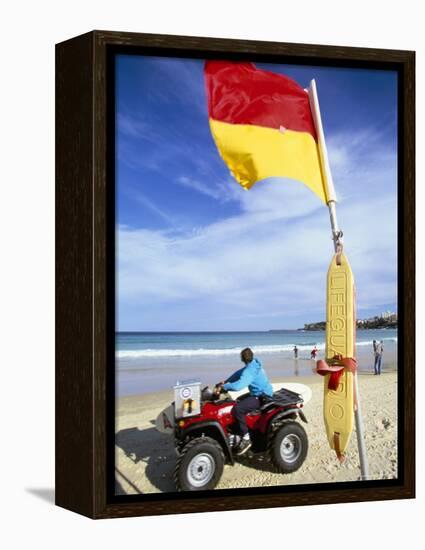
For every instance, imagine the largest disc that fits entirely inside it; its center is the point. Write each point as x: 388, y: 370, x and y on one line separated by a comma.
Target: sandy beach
x: 145, y: 458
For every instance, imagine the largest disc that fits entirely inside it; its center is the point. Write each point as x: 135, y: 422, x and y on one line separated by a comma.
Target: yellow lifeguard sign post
x: 341, y: 403
x: 338, y: 405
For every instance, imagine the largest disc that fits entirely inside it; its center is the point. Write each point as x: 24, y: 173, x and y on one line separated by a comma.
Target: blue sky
x: 197, y: 252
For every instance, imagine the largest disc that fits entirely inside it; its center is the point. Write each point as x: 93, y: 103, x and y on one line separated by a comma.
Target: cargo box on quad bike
x: 205, y: 436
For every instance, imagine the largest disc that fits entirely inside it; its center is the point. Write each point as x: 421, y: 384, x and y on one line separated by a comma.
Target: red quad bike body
x: 205, y: 442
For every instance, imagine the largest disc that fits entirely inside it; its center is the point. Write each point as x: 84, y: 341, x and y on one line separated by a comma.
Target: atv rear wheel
x: 200, y: 465
x: 288, y: 447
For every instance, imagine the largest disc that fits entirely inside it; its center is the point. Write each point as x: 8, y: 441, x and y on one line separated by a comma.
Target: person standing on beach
x: 381, y: 353
x: 378, y: 349
x: 375, y: 355
x: 253, y: 376
x: 295, y: 352
x: 313, y: 353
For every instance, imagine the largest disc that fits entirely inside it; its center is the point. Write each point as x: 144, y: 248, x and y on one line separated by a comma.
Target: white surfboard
x: 302, y: 389
x: 296, y: 387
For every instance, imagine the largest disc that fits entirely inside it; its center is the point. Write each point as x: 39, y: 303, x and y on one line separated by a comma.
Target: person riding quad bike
x: 207, y: 425
x: 252, y: 376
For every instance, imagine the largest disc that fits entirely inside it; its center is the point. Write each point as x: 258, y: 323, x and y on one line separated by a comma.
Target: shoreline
x: 160, y: 375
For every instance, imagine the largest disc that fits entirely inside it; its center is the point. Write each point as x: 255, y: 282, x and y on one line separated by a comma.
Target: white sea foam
x: 138, y: 353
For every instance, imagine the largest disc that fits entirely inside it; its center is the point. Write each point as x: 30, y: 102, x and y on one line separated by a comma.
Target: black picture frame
x: 85, y: 274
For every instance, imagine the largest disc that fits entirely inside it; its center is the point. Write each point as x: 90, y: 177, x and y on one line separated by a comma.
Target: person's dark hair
x: 247, y: 356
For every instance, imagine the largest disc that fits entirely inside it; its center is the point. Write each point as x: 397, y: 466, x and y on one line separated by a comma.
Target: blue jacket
x: 253, y: 376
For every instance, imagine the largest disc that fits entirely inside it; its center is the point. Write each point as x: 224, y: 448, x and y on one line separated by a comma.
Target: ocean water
x: 153, y: 361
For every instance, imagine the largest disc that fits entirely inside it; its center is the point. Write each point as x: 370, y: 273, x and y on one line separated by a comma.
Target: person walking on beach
x: 313, y: 353
x: 295, y: 352
x: 253, y: 376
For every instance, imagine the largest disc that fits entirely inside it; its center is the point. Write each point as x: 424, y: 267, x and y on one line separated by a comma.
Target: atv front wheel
x: 200, y: 465
x: 288, y: 447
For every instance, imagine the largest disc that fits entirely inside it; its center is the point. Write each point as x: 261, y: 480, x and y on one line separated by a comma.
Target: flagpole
x: 337, y: 239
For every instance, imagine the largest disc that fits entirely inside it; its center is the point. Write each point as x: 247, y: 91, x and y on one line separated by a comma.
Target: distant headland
x: 387, y: 319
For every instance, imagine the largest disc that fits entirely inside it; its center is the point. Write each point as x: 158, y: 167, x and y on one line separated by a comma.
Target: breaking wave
x: 137, y: 353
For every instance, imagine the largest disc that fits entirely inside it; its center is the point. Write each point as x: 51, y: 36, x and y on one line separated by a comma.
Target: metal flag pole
x: 337, y: 239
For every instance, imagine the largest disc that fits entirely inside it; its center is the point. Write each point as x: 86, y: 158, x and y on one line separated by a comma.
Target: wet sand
x: 159, y: 375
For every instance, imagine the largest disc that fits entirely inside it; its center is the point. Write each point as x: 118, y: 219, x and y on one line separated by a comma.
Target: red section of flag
x: 239, y: 93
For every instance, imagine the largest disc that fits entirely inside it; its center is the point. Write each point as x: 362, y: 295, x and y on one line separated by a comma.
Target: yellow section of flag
x: 254, y: 153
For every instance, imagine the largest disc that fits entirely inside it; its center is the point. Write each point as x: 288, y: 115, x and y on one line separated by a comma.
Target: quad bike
x: 205, y: 437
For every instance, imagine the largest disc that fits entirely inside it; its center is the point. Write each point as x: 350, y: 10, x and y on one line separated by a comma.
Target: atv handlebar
x: 214, y: 394
x: 218, y: 388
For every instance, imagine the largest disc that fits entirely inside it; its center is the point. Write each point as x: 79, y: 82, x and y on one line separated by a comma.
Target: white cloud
x: 362, y: 165
x: 220, y: 191
x: 132, y: 126
x: 142, y: 199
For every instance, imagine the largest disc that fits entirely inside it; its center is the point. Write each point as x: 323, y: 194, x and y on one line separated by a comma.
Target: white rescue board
x: 296, y: 387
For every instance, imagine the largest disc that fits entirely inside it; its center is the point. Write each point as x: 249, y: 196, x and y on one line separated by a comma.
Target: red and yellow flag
x: 262, y: 125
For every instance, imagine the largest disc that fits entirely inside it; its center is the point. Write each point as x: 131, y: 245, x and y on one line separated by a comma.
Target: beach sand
x: 145, y: 458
